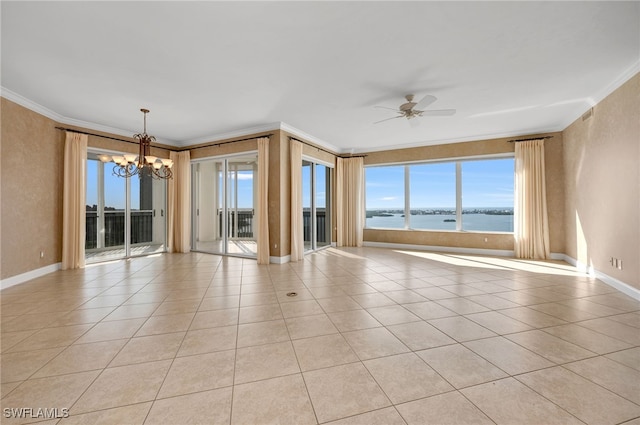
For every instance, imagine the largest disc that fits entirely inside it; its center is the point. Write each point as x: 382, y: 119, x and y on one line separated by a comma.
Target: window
x: 464, y: 195
x: 385, y: 197
x: 432, y: 192
x: 487, y: 195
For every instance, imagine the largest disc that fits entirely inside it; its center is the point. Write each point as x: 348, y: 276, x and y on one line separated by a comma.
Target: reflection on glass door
x: 307, y: 195
x: 322, y: 211
x: 316, y: 211
x: 124, y: 217
x: 147, y: 222
x: 224, y: 193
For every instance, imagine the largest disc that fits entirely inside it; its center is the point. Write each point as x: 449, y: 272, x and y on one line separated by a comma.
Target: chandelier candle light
x: 143, y: 164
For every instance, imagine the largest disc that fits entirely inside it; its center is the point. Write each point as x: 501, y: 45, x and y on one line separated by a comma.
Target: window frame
x: 458, y: 161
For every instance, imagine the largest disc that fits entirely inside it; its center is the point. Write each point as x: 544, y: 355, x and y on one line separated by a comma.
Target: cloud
x: 243, y: 176
x: 389, y: 198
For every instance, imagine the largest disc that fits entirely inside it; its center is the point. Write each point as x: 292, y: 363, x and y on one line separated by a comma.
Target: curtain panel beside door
x: 297, y: 230
x: 73, y: 200
x: 350, y: 201
x: 263, y: 201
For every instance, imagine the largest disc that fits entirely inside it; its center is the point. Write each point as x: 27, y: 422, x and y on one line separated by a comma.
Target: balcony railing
x: 244, y: 229
x: 142, y: 226
x: 321, y: 230
x: 114, y: 222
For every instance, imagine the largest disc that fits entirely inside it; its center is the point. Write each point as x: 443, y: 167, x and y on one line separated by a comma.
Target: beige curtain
x: 179, y: 203
x: 350, y: 201
x: 73, y: 200
x: 531, y: 227
x: 263, y: 201
x: 297, y: 231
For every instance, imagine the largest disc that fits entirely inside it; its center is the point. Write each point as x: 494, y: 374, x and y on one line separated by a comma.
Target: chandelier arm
x: 143, y: 166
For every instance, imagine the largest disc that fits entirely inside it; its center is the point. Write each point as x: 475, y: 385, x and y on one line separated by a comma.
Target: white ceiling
x: 208, y: 70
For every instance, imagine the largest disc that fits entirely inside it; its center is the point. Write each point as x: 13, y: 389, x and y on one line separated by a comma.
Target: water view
x: 473, y: 219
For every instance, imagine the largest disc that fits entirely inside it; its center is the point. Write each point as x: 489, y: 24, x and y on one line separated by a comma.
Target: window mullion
x: 458, y: 196
x: 407, y: 198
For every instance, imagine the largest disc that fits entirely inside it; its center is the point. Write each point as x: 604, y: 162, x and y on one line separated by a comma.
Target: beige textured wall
x: 554, y: 178
x: 555, y: 194
x: 602, y: 209
x: 32, y: 156
x: 280, y: 196
x: 498, y: 241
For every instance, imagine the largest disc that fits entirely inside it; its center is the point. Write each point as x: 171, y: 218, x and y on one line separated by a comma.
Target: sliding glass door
x: 224, y: 195
x: 316, y: 211
x: 124, y: 217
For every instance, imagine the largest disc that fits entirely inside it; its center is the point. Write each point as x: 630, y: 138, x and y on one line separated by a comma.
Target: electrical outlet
x: 619, y: 264
x: 41, y: 254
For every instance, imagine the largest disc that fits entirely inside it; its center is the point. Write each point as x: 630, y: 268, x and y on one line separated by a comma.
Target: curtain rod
x: 160, y: 147
x: 533, y: 138
x: 324, y: 150
x: 99, y: 135
x: 224, y: 143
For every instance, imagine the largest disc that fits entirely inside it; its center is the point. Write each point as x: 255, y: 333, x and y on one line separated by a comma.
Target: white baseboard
x: 32, y: 274
x: 280, y: 260
x: 453, y: 250
x: 621, y: 286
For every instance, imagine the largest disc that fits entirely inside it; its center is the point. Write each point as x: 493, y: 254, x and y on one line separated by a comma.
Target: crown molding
x: 309, y: 138
x: 615, y: 84
x: 61, y: 119
x: 260, y: 129
x: 212, y: 138
x: 476, y: 138
x: 606, y: 91
x: 29, y: 104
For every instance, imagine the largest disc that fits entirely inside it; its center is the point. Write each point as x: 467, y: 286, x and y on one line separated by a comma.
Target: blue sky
x: 484, y: 184
x: 321, y: 190
x: 115, y: 195
x: 487, y: 183
x: 114, y: 187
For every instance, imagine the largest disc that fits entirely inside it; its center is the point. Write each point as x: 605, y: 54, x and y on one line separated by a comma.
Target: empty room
x: 308, y: 212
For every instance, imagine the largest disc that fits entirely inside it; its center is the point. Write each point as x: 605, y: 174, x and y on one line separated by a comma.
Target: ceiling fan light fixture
x: 411, y: 109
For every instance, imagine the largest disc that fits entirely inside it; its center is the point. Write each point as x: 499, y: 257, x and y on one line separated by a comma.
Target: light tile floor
x: 374, y: 336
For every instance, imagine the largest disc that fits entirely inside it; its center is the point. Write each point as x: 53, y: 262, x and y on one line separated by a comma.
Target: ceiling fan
x: 411, y: 109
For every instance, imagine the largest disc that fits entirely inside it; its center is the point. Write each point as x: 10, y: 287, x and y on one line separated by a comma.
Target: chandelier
x: 143, y: 164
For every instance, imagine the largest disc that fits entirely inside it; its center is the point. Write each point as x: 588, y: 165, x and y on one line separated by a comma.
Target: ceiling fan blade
x: 425, y: 101
x: 438, y: 113
x: 385, y: 107
x: 387, y: 119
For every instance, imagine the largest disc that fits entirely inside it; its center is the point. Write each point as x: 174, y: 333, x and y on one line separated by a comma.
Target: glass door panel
x: 124, y: 216
x: 146, y: 216
x: 113, y: 213
x: 224, y: 198
x: 316, y: 207
x: 209, y: 196
x: 322, y: 206
x: 307, y: 217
